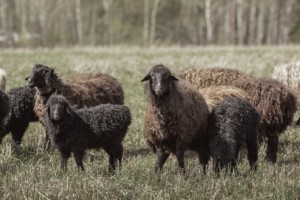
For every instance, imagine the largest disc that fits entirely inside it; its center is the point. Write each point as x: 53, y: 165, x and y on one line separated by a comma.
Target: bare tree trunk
x: 260, y: 23
x: 239, y: 18
x: 287, y: 20
x: 208, y: 21
x: 94, y: 24
x: 272, y: 26
x: 107, y: 5
x: 226, y: 9
x: 3, y: 16
x: 146, y: 23
x: 153, y: 22
x: 78, y: 21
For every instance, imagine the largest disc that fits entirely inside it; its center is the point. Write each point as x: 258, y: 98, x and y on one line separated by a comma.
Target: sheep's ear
x: 146, y: 78
x: 49, y: 76
x: 47, y: 110
x: 173, y: 78
x: 69, y: 111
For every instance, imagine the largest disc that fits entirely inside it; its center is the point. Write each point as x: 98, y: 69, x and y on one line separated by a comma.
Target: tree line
x: 37, y: 23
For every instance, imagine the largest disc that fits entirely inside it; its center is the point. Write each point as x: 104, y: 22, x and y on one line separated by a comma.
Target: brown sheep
x: 207, y: 77
x: 81, y: 91
x: 275, y: 103
x: 176, y: 118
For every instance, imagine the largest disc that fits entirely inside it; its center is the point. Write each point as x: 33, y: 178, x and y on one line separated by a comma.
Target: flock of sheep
x: 213, y: 111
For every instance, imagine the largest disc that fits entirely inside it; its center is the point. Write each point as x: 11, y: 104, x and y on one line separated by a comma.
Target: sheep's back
x: 92, y: 89
x: 275, y: 103
x: 231, y: 122
x: 21, y: 100
x: 213, y: 95
x: 205, y: 77
x: 107, y: 118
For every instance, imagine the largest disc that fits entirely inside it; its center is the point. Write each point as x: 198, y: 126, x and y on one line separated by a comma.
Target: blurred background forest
x: 48, y: 23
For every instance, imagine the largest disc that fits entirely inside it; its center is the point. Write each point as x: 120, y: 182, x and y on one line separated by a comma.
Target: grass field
x: 35, y: 174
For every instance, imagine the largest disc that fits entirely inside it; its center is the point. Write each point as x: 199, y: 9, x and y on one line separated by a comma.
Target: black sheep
x: 102, y: 126
x: 21, y: 103
x: 4, y: 106
x: 232, y: 123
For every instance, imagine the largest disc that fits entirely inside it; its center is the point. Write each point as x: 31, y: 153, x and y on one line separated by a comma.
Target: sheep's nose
x: 30, y: 84
x: 158, y: 90
x: 56, y: 116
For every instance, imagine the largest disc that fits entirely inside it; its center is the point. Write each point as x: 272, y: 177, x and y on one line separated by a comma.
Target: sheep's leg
x: 298, y: 121
x: 252, y: 147
x: 180, y: 156
x: 204, y: 154
x: 162, y: 157
x: 119, y: 155
x: 272, y: 148
x: 78, y: 156
x: 46, y: 142
x: 112, y: 163
x: 64, y: 161
x: 65, y: 154
x: 17, y: 133
x: 233, y: 165
x: 216, y: 165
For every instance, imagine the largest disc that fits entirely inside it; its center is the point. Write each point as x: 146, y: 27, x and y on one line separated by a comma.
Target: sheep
x: 232, y: 123
x: 206, y: 77
x: 2, y: 80
x: 275, y: 103
x: 176, y: 118
x: 21, y: 102
x: 288, y: 74
x: 4, y: 106
x: 213, y: 95
x: 75, y: 131
x: 83, y: 90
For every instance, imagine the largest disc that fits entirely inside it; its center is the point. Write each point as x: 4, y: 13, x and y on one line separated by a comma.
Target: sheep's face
x: 41, y: 76
x: 160, y: 79
x: 59, y: 113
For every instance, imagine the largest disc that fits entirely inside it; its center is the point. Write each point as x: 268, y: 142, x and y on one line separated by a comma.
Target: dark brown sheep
x: 275, y: 103
x: 176, y: 118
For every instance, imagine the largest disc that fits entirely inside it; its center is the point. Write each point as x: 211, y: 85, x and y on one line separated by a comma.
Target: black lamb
x: 102, y: 126
x: 21, y: 103
x: 232, y: 123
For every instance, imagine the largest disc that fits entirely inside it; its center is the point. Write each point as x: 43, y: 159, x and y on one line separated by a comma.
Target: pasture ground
x: 35, y: 174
